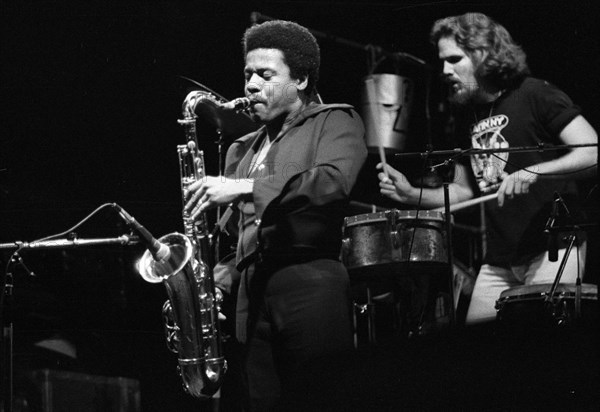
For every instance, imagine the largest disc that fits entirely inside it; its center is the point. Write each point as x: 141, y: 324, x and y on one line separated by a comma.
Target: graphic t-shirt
x: 532, y: 114
x: 487, y: 168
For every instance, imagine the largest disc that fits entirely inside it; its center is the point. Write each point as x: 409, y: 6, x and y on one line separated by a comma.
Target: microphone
x: 553, y: 246
x: 551, y: 233
x: 240, y: 103
x: 159, y: 250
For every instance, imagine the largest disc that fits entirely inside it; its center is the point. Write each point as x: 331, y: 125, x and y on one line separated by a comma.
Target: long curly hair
x: 505, y: 63
x: 299, y: 47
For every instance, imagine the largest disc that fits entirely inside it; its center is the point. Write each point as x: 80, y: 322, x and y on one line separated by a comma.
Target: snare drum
x: 377, y: 243
x: 526, y: 305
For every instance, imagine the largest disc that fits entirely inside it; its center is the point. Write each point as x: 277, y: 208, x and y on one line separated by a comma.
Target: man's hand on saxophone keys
x: 219, y: 301
x: 214, y: 191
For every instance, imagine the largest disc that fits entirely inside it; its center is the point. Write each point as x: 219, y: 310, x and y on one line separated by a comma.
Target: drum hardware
x: 369, y: 309
x: 366, y: 305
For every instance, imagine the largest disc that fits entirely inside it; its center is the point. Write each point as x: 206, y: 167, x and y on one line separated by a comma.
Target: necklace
x: 493, y: 103
x: 489, y: 114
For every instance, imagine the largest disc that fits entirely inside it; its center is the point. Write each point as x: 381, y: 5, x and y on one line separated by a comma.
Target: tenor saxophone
x: 191, y: 311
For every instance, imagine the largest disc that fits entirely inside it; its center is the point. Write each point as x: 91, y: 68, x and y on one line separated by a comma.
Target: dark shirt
x: 532, y: 113
x: 304, y: 183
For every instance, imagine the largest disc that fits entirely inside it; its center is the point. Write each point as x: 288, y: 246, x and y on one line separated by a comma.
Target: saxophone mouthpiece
x: 241, y: 103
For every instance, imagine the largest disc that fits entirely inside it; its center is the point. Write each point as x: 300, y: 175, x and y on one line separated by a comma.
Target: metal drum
x: 392, y: 106
x: 384, y: 243
x: 526, y: 306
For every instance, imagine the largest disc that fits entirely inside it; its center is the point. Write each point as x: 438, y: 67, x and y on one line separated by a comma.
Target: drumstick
x: 467, y: 203
x: 372, y: 98
x: 366, y: 206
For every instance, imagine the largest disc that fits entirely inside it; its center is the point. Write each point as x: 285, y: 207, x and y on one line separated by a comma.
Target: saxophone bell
x: 180, y: 252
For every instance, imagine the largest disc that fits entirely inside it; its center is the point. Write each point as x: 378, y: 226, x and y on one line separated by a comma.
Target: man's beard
x: 461, y: 94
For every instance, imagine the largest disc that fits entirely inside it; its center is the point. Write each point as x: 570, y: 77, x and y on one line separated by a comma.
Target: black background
x: 90, y: 96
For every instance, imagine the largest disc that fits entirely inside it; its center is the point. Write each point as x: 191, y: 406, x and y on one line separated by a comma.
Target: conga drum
x: 384, y: 244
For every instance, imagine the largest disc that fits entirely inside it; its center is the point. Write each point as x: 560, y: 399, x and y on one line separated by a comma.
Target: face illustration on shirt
x: 270, y: 88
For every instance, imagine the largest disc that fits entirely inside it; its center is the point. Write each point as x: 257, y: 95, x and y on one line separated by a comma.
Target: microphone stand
x: 550, y: 295
x: 124, y: 240
x: 7, y: 292
x: 457, y: 152
x: 448, y: 223
x: 553, y: 231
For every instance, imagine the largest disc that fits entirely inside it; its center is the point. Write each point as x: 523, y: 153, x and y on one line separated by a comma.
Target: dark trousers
x: 298, y: 315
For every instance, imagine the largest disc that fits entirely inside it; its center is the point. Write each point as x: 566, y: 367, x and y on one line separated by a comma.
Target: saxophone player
x: 290, y: 180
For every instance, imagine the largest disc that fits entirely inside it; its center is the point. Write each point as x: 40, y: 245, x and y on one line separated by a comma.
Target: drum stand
x: 369, y: 309
x: 448, y: 222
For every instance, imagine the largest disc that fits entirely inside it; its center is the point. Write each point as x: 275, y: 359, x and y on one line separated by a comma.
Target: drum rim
x: 400, y: 215
x: 420, y: 214
x: 367, y: 217
x: 541, y: 289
